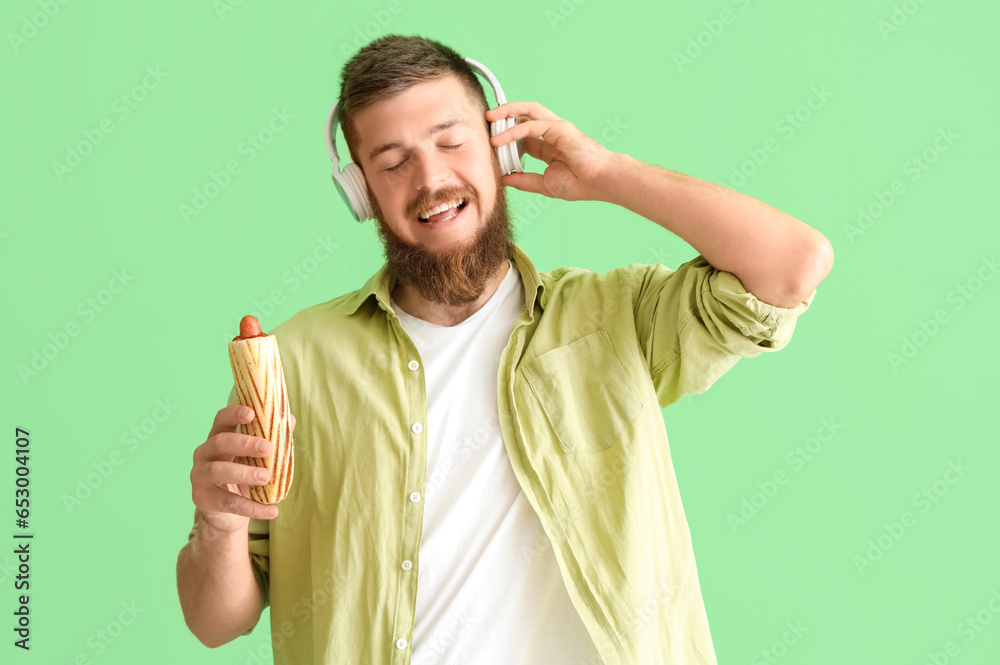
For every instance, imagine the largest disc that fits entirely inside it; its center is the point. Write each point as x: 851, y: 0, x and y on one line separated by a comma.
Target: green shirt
x: 587, y: 368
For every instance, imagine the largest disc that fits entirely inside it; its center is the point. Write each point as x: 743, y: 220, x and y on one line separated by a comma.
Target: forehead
x: 407, y: 117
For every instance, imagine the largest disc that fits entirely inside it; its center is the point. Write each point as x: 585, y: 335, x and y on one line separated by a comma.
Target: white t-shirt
x: 489, y: 590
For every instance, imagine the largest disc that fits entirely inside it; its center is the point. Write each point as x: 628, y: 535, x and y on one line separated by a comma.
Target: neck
x: 414, y: 304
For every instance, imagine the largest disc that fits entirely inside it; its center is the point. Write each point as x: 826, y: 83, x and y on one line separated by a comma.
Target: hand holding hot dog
x: 246, y: 464
x: 220, y: 485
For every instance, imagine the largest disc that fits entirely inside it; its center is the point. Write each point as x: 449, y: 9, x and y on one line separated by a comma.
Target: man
x: 482, y: 473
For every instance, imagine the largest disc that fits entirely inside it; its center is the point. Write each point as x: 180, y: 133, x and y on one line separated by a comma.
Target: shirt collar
x: 380, y: 285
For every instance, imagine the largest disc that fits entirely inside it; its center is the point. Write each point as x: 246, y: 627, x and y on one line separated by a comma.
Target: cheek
x: 387, y: 201
x: 488, y: 186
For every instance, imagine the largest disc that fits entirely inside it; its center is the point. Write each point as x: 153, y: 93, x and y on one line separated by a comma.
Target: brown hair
x: 391, y: 65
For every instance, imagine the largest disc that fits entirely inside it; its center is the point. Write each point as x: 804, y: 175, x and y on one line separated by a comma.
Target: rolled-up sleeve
x: 695, y: 322
x: 260, y: 557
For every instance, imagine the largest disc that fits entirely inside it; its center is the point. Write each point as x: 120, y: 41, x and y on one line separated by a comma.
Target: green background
x: 888, y: 94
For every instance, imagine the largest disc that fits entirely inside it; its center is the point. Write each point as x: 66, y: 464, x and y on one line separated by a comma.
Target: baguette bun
x: 260, y: 385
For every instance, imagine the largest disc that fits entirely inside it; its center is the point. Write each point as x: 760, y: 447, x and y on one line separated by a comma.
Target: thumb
x: 526, y: 182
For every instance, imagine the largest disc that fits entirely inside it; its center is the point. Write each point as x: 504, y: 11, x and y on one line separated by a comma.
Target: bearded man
x: 482, y: 469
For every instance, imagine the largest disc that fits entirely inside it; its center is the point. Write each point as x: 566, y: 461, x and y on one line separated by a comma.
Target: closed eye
x: 398, y: 166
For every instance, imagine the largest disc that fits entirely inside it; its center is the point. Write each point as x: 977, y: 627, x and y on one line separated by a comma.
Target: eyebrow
x: 440, y: 127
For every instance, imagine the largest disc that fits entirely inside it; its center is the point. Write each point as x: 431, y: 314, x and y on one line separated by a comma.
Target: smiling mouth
x: 444, y: 215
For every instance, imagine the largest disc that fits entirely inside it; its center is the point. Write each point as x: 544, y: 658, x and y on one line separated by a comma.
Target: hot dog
x: 260, y: 385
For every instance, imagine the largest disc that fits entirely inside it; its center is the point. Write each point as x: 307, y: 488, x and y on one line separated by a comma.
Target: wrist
x: 206, y: 533
x: 614, y: 177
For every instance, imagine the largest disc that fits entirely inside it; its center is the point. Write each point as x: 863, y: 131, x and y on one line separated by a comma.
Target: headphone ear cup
x: 509, y: 154
x: 501, y: 153
x: 354, y: 191
x: 518, y: 154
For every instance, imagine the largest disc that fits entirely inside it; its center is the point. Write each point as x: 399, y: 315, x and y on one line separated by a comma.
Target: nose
x: 430, y: 173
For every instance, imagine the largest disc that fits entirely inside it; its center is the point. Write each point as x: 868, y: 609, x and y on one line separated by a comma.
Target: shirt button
x: 407, y: 564
x: 413, y: 364
x: 417, y: 428
x: 415, y: 497
x: 401, y: 643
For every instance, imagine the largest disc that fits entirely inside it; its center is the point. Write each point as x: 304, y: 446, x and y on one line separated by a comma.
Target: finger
x: 229, y: 417
x: 229, y: 502
x: 526, y: 182
x: 530, y: 109
x: 539, y: 149
x: 550, y: 130
x: 233, y: 444
x: 293, y: 420
x: 221, y: 472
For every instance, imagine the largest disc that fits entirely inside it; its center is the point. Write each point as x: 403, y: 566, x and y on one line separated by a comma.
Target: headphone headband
x: 351, y: 181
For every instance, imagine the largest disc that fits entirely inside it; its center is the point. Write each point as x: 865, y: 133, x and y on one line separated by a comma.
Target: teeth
x: 441, y: 208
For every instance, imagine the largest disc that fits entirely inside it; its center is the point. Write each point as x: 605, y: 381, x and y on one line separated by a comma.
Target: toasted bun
x: 260, y: 384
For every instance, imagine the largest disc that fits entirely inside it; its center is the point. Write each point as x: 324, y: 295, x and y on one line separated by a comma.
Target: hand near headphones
x: 576, y: 162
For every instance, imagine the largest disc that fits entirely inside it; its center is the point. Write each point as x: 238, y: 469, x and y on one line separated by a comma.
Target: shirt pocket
x: 584, y: 392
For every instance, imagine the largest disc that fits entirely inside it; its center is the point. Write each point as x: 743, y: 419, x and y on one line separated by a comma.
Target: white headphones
x: 351, y: 182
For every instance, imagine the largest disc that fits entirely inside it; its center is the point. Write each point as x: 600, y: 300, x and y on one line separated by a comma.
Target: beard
x: 457, y: 275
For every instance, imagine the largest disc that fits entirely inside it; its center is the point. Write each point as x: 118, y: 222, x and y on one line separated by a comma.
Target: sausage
x: 249, y: 328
